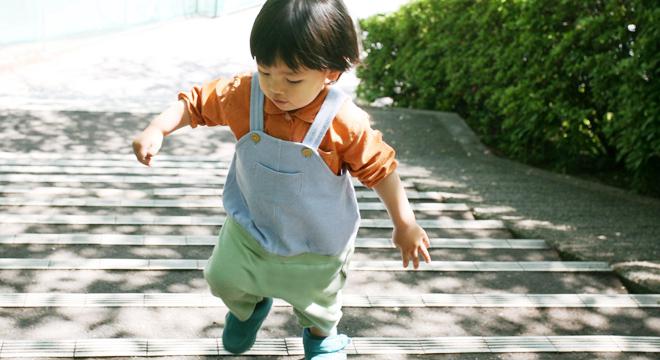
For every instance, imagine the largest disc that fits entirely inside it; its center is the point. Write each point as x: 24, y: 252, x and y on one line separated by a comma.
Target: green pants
x: 241, y: 273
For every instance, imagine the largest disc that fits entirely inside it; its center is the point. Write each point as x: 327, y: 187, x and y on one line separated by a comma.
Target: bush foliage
x: 563, y: 83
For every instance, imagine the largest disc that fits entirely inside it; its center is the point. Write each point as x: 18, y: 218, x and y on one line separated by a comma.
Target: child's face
x: 290, y: 90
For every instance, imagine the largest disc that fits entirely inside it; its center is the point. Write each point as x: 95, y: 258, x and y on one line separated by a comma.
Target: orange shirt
x: 350, y: 141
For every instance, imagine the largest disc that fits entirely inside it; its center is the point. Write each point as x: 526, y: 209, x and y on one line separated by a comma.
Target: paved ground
x: 89, y: 97
x: 139, y: 71
x: 39, y: 165
x: 582, y: 219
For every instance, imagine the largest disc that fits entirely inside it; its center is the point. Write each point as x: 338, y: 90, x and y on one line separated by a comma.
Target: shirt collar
x: 307, y: 113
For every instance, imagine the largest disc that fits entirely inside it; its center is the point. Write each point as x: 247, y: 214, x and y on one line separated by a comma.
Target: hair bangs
x: 314, y: 34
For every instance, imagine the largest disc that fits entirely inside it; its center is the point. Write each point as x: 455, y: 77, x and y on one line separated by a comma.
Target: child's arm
x: 408, y: 236
x: 148, y: 143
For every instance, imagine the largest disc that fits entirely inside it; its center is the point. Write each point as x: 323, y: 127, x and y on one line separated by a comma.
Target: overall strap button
x: 255, y: 137
x: 307, y: 152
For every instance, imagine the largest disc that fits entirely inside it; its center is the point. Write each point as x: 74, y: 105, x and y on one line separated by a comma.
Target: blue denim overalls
x: 284, y: 194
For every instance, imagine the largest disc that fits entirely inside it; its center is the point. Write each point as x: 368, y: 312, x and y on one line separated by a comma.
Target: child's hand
x: 147, y: 144
x: 412, y: 241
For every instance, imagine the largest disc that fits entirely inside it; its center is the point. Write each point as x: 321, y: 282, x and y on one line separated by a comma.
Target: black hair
x: 314, y: 34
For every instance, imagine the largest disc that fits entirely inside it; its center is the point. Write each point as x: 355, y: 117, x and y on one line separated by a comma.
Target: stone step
x: 137, y: 179
x: 22, y: 162
x: 114, y: 170
x: 202, y: 252
x: 359, y: 346
x: 385, y: 265
x: 34, y: 155
x: 182, y: 240
x: 219, y: 220
x: 26, y: 300
x: 137, y: 169
x: 359, y: 282
x: 191, y: 322
x: 109, y: 163
x: 212, y: 230
x: 217, y: 211
x: 210, y: 203
x: 185, y: 192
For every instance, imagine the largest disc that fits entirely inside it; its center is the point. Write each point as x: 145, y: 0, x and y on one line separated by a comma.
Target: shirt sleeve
x: 365, y: 153
x: 208, y: 104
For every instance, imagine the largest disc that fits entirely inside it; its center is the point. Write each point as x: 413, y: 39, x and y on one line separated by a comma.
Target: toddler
x: 292, y: 213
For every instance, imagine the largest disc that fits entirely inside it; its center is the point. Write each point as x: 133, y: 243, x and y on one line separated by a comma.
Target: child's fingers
x: 415, y: 258
x: 142, y: 155
x: 137, y: 150
x: 406, y: 259
x: 147, y: 154
x: 140, y: 152
x: 146, y: 159
x: 142, y: 159
x: 425, y: 254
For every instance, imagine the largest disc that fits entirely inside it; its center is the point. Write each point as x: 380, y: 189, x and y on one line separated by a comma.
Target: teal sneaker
x: 239, y: 336
x: 328, y: 348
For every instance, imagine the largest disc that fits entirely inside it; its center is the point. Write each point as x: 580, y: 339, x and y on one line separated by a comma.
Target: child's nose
x: 276, y: 87
x: 276, y: 90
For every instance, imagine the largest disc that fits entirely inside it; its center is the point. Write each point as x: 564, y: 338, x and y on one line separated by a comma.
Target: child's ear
x: 332, y: 76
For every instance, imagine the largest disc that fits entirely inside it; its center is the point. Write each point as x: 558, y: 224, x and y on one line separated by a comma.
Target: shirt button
x: 256, y: 138
x: 307, y: 152
x: 287, y: 116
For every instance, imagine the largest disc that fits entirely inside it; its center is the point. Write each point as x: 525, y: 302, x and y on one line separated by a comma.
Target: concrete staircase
x: 102, y: 257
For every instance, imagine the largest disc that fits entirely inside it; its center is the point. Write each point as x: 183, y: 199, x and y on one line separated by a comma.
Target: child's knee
x: 225, y: 281
x: 217, y: 280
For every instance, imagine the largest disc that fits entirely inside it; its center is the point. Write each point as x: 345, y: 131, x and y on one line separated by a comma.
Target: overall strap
x: 256, y: 105
x: 333, y: 102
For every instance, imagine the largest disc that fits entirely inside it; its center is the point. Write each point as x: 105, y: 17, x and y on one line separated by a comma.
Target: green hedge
x: 566, y: 84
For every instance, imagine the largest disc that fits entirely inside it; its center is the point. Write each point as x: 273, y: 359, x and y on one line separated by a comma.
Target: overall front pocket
x: 276, y: 186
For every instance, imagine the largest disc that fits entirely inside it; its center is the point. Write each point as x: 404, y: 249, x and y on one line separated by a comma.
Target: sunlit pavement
x: 69, y: 113
x: 139, y: 69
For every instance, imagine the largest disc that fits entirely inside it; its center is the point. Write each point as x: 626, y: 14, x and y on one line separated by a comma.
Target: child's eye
x: 263, y: 73
x: 294, y: 81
